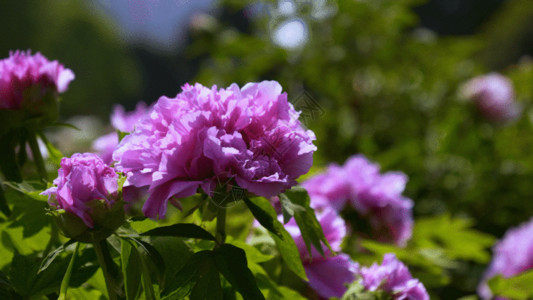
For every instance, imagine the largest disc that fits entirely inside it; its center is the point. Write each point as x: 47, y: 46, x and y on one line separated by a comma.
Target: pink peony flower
x: 393, y: 277
x: 327, y: 275
x: 247, y: 136
x: 378, y: 197
x: 122, y: 121
x: 494, y: 96
x: 512, y: 256
x: 21, y: 71
x: 82, y: 179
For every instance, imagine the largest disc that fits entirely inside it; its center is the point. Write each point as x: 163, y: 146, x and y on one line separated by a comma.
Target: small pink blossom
x: 82, y: 178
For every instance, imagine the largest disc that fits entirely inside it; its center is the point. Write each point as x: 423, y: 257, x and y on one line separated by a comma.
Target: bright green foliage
x: 516, y: 287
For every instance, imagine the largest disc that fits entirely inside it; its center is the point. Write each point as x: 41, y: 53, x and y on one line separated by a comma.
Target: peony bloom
x: 512, y: 256
x: 393, y: 277
x: 328, y: 275
x: 81, y: 179
x: 377, y: 197
x: 494, y: 96
x: 22, y: 71
x: 121, y: 121
x: 248, y: 136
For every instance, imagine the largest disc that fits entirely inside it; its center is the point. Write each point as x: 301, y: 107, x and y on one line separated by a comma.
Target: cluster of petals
x: 393, y: 277
x: 511, y: 256
x: 494, y: 97
x: 330, y: 274
x: 21, y: 71
x: 82, y: 178
x: 122, y: 121
x: 376, y: 196
x: 249, y: 136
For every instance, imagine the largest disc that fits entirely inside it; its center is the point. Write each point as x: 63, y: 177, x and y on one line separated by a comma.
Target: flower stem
x: 37, y: 157
x: 220, y: 236
x: 104, y: 259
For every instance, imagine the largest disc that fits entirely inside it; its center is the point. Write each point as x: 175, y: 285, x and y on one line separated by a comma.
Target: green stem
x: 220, y: 235
x: 100, y: 247
x: 37, y: 157
x: 66, y: 278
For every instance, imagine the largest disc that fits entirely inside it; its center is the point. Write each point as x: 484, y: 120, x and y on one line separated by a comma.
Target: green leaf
x: 121, y: 135
x: 131, y: 269
x: 305, y: 217
x: 231, y: 262
x: 517, y: 287
x: 181, y: 230
x: 208, y: 285
x: 8, y: 164
x: 148, y: 287
x: 4, y: 208
x: 266, y: 215
x: 53, y: 153
x: 6, y: 288
x: 356, y: 291
x: 66, y: 279
x: 65, y: 125
x: 185, y: 280
x: 287, y: 208
x: 253, y: 254
x: 455, y: 236
x: 155, y: 258
x: 271, y: 289
x: 23, y: 272
x: 53, y: 255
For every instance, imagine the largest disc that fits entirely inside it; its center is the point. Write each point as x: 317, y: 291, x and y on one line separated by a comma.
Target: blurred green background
x: 385, y: 76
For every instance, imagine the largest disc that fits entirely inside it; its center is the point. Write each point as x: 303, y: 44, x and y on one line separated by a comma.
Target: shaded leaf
x: 265, y: 214
x: 231, y: 262
x: 131, y: 269
x: 305, y: 217
x: 181, y: 230
x: 187, y: 277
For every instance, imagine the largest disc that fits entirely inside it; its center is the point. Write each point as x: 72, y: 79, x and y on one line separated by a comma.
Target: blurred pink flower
x: 81, y: 179
x: 392, y: 276
x: 21, y: 71
x: 378, y: 197
x: 512, y: 256
x: 247, y: 136
x: 494, y: 96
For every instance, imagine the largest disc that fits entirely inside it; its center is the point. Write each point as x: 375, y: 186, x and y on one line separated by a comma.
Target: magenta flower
x: 329, y: 189
x: 512, y: 256
x: 22, y: 71
x: 328, y: 275
x: 393, y: 277
x: 377, y: 197
x: 494, y: 96
x: 122, y: 121
x: 250, y: 137
x: 82, y: 179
